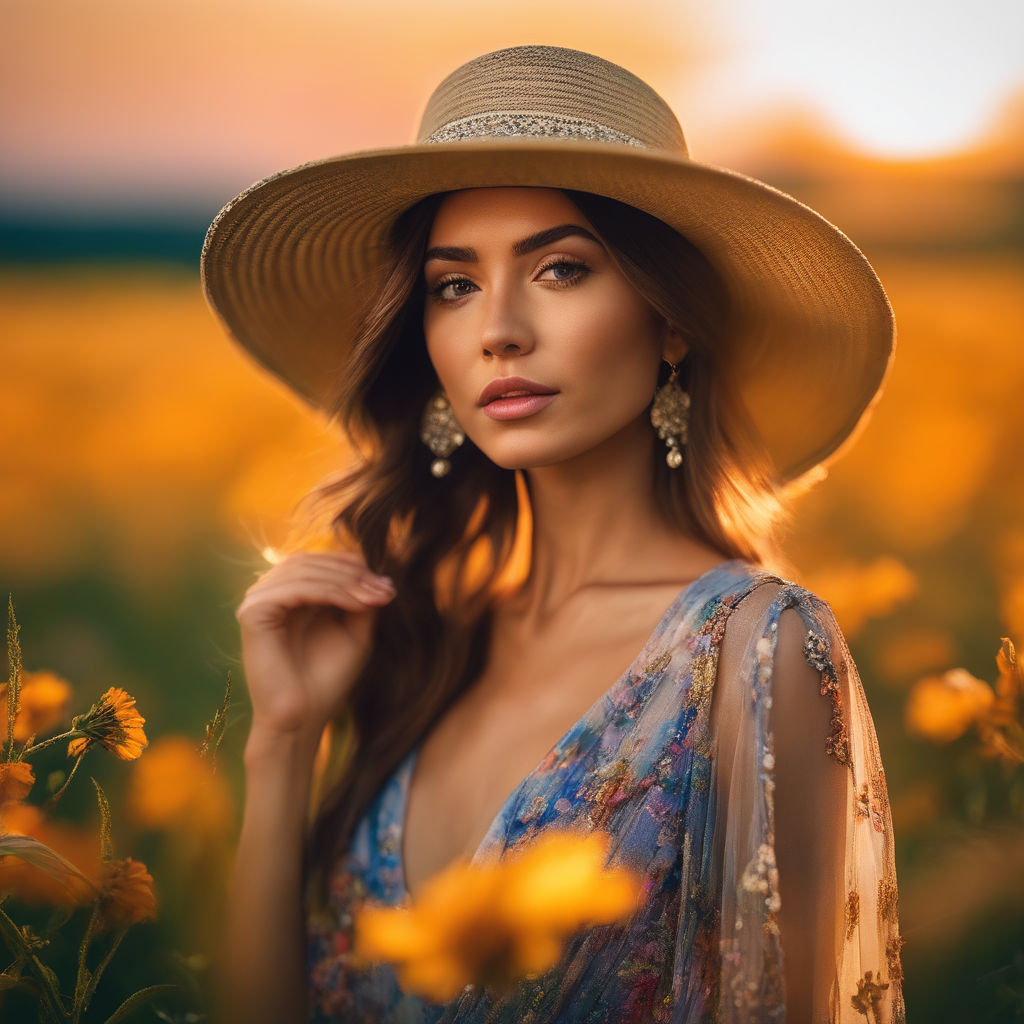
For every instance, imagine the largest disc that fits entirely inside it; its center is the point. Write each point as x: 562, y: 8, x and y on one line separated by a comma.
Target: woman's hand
x: 307, y: 626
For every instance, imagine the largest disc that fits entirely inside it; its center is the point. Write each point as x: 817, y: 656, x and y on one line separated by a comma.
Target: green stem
x: 137, y: 999
x: 91, y: 990
x: 79, y: 1003
x: 69, y: 735
x: 67, y: 782
x: 20, y: 948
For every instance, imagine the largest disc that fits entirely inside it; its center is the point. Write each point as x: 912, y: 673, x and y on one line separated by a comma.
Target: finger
x: 347, y: 557
x: 271, y: 604
x: 322, y: 569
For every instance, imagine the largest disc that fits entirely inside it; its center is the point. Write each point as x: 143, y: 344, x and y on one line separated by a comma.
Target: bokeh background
x: 146, y: 464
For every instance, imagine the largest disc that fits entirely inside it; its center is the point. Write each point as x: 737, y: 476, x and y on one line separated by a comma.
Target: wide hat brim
x: 286, y: 266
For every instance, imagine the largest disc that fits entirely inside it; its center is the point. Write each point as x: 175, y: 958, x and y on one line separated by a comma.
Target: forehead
x: 510, y: 209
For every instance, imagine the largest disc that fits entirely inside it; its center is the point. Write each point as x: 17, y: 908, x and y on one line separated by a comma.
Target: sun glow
x: 893, y: 77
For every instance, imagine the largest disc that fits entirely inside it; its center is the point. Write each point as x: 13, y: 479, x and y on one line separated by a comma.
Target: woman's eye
x: 448, y: 291
x: 565, y: 271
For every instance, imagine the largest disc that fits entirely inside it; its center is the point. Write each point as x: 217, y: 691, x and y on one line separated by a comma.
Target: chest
x: 532, y: 692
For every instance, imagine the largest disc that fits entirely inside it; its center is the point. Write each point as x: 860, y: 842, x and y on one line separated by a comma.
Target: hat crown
x: 549, y: 91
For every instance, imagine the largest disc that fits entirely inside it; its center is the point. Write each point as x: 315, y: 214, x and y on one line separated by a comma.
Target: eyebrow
x: 521, y: 248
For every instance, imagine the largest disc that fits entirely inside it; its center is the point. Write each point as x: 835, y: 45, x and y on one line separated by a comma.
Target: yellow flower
x: 173, y: 786
x: 43, y: 705
x: 126, y: 895
x: 495, y: 922
x: 941, y: 708
x: 16, y: 780
x: 114, y: 723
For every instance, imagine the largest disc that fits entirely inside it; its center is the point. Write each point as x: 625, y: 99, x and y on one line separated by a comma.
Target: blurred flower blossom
x: 29, y: 878
x: 126, y: 895
x: 494, y: 922
x: 942, y: 708
x: 174, y: 786
x: 43, y: 705
x: 112, y: 722
x: 16, y: 779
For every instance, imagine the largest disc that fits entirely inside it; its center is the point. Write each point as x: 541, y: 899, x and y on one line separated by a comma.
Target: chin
x: 525, y: 457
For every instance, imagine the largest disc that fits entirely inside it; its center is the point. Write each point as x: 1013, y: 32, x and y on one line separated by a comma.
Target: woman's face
x: 544, y: 348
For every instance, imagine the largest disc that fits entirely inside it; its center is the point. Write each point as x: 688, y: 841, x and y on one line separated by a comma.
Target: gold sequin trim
x: 893, y: 959
x: 852, y: 913
x: 881, y: 794
x: 818, y: 655
x: 658, y: 664
x: 888, y: 896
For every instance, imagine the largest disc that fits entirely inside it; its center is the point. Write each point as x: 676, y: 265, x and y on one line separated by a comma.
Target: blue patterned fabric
x: 638, y: 765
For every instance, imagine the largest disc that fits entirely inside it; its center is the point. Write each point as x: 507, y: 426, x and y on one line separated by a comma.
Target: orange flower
x: 174, y: 786
x: 112, y: 722
x: 126, y: 895
x: 44, y: 705
x: 941, y: 708
x: 495, y: 922
x: 16, y: 780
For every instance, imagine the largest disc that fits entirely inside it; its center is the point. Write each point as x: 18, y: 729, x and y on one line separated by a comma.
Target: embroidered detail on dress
x: 658, y: 664
x: 704, y: 666
x: 761, y: 875
x: 616, y: 782
x: 535, y: 810
x: 881, y: 793
x: 819, y: 656
x: 867, y: 1000
x: 888, y: 896
x: 852, y: 913
x: 863, y: 804
x: 892, y: 957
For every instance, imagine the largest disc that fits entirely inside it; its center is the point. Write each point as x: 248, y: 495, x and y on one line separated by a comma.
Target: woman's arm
x: 263, y: 970
x: 306, y: 627
x: 808, y: 901
x: 810, y: 827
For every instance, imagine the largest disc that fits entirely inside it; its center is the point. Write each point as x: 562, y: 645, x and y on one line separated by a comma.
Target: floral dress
x: 642, y: 764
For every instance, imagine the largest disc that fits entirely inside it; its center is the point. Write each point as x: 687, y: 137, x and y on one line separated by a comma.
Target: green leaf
x: 106, y: 823
x: 216, y: 725
x: 14, y: 674
x: 41, y: 856
x: 140, y: 998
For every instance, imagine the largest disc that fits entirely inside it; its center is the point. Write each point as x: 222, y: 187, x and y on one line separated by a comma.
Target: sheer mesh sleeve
x: 808, y: 922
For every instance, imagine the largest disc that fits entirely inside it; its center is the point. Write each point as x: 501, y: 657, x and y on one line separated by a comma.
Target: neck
x: 596, y: 522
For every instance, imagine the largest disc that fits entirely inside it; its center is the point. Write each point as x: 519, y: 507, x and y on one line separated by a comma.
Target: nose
x: 506, y: 329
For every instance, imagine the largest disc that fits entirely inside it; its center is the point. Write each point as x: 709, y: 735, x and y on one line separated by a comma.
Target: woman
x: 558, y: 343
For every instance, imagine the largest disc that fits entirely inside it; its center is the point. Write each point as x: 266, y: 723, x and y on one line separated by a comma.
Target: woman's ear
x: 674, y: 347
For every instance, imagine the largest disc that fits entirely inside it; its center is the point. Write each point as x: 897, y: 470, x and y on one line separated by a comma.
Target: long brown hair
x: 446, y: 542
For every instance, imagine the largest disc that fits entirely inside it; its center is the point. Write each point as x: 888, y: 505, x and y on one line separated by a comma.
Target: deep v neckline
x: 595, y: 711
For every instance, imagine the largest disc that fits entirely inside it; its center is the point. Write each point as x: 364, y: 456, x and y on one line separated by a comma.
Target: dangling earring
x: 440, y: 431
x: 670, y: 416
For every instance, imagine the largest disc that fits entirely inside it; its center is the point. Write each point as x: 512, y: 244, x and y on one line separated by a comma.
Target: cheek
x: 620, y: 347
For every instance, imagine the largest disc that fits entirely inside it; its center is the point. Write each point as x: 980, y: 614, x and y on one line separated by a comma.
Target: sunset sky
x: 122, y: 102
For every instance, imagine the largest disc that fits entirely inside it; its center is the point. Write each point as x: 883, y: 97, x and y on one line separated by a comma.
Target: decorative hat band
x: 535, y: 125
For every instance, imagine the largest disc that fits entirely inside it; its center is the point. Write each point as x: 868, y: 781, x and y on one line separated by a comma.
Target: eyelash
x: 441, y: 285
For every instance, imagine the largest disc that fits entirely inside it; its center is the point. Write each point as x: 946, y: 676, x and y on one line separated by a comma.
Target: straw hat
x: 285, y: 263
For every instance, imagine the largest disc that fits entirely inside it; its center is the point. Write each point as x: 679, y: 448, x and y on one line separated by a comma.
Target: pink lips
x: 510, y: 398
